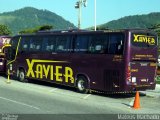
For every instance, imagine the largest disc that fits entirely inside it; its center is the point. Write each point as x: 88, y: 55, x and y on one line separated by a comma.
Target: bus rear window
x: 143, y: 39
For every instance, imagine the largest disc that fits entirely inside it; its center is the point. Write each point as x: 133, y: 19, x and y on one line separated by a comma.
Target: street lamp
x: 78, y: 6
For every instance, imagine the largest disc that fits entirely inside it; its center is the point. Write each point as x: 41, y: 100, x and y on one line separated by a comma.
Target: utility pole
x: 78, y: 6
x: 80, y: 14
x: 95, y: 15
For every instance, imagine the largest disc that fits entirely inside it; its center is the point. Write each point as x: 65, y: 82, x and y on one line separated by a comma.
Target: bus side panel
x: 47, y: 67
x: 104, y: 72
x: 143, y: 74
x: 114, y: 74
x: 85, y: 65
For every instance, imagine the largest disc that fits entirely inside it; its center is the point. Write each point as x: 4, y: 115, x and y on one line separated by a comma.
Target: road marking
x: 20, y: 103
x: 131, y: 103
x: 85, y: 97
x: 52, y: 90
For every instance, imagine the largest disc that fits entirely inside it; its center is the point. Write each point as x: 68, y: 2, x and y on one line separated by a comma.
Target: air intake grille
x: 111, y: 78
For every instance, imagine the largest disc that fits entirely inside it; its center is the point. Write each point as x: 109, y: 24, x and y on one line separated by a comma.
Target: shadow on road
x: 111, y: 95
x: 103, y: 94
x: 116, y: 95
x: 54, y: 85
x: 3, y: 75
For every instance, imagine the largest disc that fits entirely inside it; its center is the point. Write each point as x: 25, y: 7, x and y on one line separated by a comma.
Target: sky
x: 107, y: 10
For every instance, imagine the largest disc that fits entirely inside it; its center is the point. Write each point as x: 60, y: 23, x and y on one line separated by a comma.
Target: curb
x: 152, y: 93
x: 158, y: 85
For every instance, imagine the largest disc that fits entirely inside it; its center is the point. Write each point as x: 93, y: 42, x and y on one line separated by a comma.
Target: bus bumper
x: 142, y: 87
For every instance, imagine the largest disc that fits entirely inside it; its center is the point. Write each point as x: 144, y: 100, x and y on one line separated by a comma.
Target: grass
x: 158, y: 80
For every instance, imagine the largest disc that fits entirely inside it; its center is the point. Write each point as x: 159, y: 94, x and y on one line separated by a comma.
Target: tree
x: 156, y: 28
x: 36, y: 29
x: 4, y: 30
x: 45, y: 27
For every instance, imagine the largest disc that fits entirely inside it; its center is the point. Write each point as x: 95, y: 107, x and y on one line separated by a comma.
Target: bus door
x: 143, y: 59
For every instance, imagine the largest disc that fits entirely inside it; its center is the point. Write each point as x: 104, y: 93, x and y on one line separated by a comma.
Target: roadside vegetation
x: 158, y: 80
x: 4, y: 30
x: 36, y: 29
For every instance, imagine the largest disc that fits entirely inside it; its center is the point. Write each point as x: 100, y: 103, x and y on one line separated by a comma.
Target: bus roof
x: 5, y: 36
x: 80, y: 31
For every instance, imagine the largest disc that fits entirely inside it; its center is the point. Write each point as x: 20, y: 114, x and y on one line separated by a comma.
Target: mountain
x: 135, y: 21
x: 30, y: 17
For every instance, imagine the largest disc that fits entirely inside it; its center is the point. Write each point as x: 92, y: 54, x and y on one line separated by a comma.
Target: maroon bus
x: 4, y: 42
x: 112, y: 60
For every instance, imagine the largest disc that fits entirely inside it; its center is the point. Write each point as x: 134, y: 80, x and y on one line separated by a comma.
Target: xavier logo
x: 43, y: 69
x: 144, y: 39
x: 6, y: 40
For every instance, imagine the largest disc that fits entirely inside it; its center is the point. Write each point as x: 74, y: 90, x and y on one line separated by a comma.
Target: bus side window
x: 36, y: 44
x: 51, y: 47
x: 49, y: 43
x: 32, y: 45
x: 81, y: 44
x: 98, y: 44
x: 116, y: 44
x: 63, y: 44
x: 24, y: 44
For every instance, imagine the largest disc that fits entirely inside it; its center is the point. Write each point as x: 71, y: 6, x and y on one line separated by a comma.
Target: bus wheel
x: 21, y: 76
x: 82, y: 85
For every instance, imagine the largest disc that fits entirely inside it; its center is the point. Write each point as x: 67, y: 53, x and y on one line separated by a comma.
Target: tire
x: 21, y: 76
x: 82, y: 85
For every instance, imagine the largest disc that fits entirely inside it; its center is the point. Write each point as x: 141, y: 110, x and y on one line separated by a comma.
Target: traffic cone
x: 136, y: 104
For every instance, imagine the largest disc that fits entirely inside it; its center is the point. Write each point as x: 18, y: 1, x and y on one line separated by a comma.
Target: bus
x: 108, y: 61
x: 4, y: 42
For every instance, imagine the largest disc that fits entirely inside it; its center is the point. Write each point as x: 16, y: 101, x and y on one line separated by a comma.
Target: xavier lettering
x: 39, y: 70
x: 144, y: 39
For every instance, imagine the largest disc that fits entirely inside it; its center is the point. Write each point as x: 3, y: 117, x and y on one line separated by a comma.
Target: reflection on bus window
x: 62, y: 44
x: 98, y: 44
x: 36, y: 44
x: 116, y: 44
x: 81, y: 44
x: 24, y: 45
x: 49, y: 44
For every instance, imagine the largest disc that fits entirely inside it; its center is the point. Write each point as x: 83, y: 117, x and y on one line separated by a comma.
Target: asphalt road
x: 37, y: 100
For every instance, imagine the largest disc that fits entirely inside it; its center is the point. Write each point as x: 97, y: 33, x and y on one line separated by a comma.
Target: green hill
x: 136, y: 21
x: 29, y: 17
x: 150, y: 21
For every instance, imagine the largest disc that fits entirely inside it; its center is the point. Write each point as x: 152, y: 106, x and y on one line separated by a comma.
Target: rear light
x: 130, y: 80
x: 129, y: 74
x: 1, y: 63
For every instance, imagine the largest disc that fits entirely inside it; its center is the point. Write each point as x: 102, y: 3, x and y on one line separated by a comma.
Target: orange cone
x: 136, y: 104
